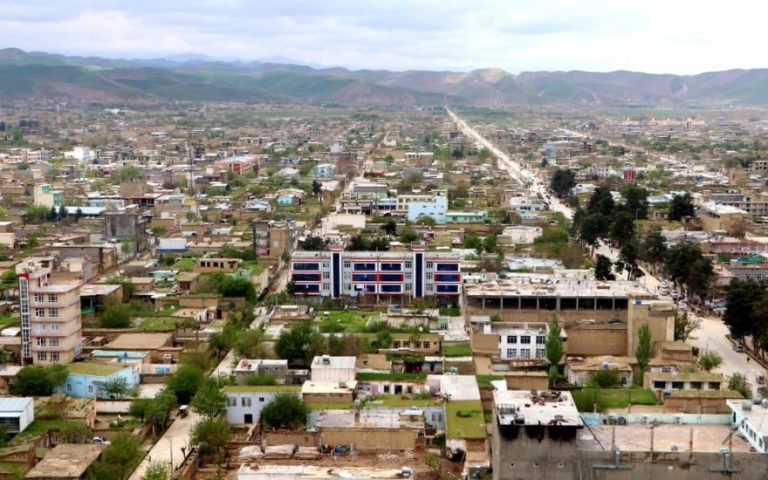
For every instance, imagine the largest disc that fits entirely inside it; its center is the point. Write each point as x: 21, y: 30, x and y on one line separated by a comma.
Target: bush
x: 116, y: 316
x: 38, y: 381
x: 285, y: 410
x: 604, y: 379
x: 185, y: 382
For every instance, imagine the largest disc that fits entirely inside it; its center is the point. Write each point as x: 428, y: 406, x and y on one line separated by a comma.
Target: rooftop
x: 139, y: 341
x: 66, y: 461
x: 637, y: 438
x: 91, y: 289
x: 14, y: 404
x: 262, y: 389
x: 523, y: 407
x: 757, y: 416
x: 334, y: 362
x: 552, y: 286
x: 94, y: 369
x: 455, y: 387
x: 388, y: 418
x: 313, y: 472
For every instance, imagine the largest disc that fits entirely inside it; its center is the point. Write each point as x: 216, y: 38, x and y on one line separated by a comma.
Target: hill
x: 197, y: 78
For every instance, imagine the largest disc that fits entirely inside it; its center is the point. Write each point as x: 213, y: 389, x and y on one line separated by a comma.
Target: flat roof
x: 66, y: 460
x: 757, y: 416
x: 98, y: 289
x: 553, y: 286
x: 328, y: 388
x: 540, y: 408
x: 315, y: 472
x: 686, y: 377
x: 386, y: 418
x: 334, y: 362
x: 14, y: 404
x: 139, y: 341
x: 637, y: 438
x: 456, y: 387
x: 94, y: 369
x: 262, y: 389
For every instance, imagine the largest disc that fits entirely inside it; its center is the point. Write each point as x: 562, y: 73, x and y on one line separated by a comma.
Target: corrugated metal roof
x: 14, y: 404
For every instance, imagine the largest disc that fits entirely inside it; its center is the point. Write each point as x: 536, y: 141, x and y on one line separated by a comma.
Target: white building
x: 520, y: 341
x: 246, y: 367
x: 16, y: 413
x: 751, y: 420
x: 433, y: 205
x: 245, y: 403
x: 328, y: 369
x: 521, y: 234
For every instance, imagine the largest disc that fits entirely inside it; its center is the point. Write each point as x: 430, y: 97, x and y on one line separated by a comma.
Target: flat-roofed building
x: 16, y: 413
x: 751, y: 420
x: 67, y: 461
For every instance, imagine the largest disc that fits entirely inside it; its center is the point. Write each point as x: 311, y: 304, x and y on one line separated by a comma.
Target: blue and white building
x: 387, y: 275
x: 88, y: 380
x: 433, y: 205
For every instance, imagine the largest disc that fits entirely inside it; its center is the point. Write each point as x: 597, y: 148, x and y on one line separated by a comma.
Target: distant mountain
x: 191, y: 77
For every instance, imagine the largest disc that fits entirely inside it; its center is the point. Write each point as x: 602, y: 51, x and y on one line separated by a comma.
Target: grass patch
x: 587, y: 398
x: 159, y: 324
x: 465, y: 419
x: 8, y: 319
x: 485, y: 380
x: 186, y: 264
x: 330, y: 406
x: 457, y: 349
x: 450, y: 312
x: 399, y: 401
x: 365, y: 376
x: 39, y: 428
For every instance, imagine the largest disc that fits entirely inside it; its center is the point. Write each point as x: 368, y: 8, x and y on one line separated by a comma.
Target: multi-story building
x: 413, y: 274
x: 433, y: 205
x: 51, y: 328
x: 520, y: 340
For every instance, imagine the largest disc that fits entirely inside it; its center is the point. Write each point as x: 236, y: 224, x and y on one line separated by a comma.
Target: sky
x: 670, y: 36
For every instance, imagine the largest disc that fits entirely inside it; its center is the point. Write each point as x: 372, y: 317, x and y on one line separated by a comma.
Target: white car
x: 101, y: 441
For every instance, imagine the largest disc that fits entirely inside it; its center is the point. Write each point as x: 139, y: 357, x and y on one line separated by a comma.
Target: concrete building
x: 751, y: 420
x: 520, y: 341
x: 393, y: 275
x: 66, y: 461
x: 328, y: 369
x: 126, y: 226
x: 239, y: 164
x: 433, y: 205
x: 46, y: 196
x: 273, y: 239
x: 16, y: 413
x: 716, y: 217
x: 51, y: 327
x: 87, y: 379
x: 260, y: 367
x: 245, y: 403
x: 661, y: 382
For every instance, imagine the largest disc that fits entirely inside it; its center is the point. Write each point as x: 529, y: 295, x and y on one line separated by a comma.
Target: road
x: 177, y: 436
x: 712, y: 332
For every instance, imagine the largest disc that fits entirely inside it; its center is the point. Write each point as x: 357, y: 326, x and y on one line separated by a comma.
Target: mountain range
x: 189, y: 77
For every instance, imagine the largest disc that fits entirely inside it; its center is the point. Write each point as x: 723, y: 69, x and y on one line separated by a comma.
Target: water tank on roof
x: 606, y: 366
x: 746, y: 405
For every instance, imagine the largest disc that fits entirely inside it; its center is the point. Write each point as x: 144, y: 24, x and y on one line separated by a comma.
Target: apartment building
x: 433, y: 205
x: 520, y: 341
x: 413, y: 274
x: 51, y: 328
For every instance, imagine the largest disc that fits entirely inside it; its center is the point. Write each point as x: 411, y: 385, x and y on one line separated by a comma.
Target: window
x: 409, y: 276
x: 407, y: 287
x: 40, y: 342
x: 430, y: 275
x: 525, y: 339
x: 55, y: 327
x: 53, y: 312
x: 677, y: 385
x: 54, y: 342
x: 408, y: 264
x: 541, y: 340
x: 39, y: 297
x: 540, y: 353
x: 525, y: 353
x: 231, y: 401
x: 430, y: 264
x: 53, y: 298
x: 511, y: 338
x: 55, y: 357
x: 326, y: 275
x: 40, y: 327
x: 347, y: 264
x: 396, y: 344
x: 42, y: 356
x: 69, y: 387
x: 326, y: 286
x: 696, y: 385
x: 714, y: 385
x: 245, y: 402
x: 426, y: 344
x: 511, y: 353
x: 326, y: 265
x: 261, y: 399
x: 660, y: 385
x: 39, y: 312
x: 90, y: 388
x: 429, y: 288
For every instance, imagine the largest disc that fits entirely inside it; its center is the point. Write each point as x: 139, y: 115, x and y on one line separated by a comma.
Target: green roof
x: 705, y: 394
x: 94, y: 369
x: 262, y: 388
x: 465, y: 419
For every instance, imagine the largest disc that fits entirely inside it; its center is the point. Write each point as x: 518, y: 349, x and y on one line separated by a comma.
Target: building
x: 239, y: 164
x: 324, y: 170
x: 260, y: 367
x: 51, y: 327
x: 414, y: 274
x: 433, y: 205
x: 660, y: 381
x: 534, y: 435
x: 273, y: 239
x: 216, y: 265
x: 478, y: 216
x: 751, y: 420
x: 328, y: 369
x: 46, y: 196
x: 16, y: 413
x: 715, y: 217
x: 88, y: 379
x: 520, y: 341
x: 67, y: 461
x: 126, y: 226
x: 370, y: 429
x: 245, y: 402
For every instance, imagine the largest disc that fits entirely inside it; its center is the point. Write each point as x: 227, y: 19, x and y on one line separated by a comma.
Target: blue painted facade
x: 82, y: 385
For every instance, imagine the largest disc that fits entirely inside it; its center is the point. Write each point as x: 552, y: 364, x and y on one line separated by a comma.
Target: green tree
x: 248, y: 344
x: 562, y: 183
x: 685, y: 325
x: 158, y: 411
x: 127, y: 174
x: 389, y: 227
x: 643, y: 350
x: 473, y: 241
x: 209, y: 400
x: 601, y: 201
x: 592, y: 228
x: 407, y: 235
x: 118, y: 460
x: 635, y: 200
x: 314, y: 243
x: 681, y: 206
x: 116, y: 316
x: 75, y: 432
x: 426, y: 220
x: 38, y: 380
x: 317, y: 187
x: 738, y: 382
x: 742, y: 296
x: 116, y: 387
x: 603, y: 268
x: 237, y: 287
x: 628, y: 260
x: 490, y: 243
x: 286, y: 410
x: 157, y: 471
x: 212, y: 436
x: 710, y: 359
x: 653, y: 247
x: 609, y: 378
x: 685, y: 265
x: 358, y: 243
x: 185, y: 382
x: 36, y: 214
x: 555, y: 349
x: 622, y: 227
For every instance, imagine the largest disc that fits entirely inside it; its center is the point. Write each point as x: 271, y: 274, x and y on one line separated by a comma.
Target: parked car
x: 616, y: 321
x: 101, y: 441
x: 739, y: 347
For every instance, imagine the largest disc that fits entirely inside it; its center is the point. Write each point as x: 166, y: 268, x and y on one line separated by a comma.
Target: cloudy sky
x: 670, y: 36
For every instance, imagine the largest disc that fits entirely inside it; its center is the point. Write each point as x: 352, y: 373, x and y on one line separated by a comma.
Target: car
x: 615, y: 321
x: 739, y: 347
x: 101, y: 441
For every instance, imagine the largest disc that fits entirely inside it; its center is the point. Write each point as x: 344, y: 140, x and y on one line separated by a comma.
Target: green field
x: 457, y: 349
x: 465, y: 419
x: 612, y: 398
x: 159, y: 324
x: 485, y: 380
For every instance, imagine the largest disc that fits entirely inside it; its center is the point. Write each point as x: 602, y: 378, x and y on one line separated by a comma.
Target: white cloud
x: 653, y: 35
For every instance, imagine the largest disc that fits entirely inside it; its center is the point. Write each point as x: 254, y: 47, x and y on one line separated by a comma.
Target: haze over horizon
x: 682, y: 37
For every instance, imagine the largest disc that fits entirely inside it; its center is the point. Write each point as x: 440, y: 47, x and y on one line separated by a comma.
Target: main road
x: 712, y: 332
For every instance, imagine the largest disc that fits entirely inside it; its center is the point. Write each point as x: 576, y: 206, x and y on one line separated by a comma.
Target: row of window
x: 47, y: 342
x: 43, y: 356
x: 41, y: 297
x: 526, y: 339
x: 525, y: 353
x: 244, y: 401
x: 40, y: 327
x: 691, y: 385
x: 52, y: 312
x: 407, y: 344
